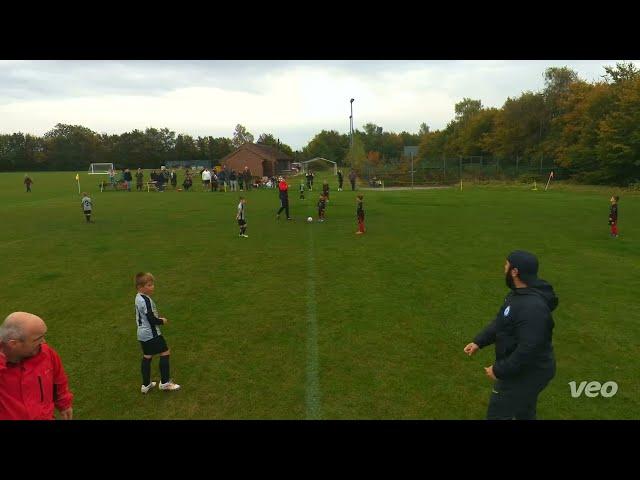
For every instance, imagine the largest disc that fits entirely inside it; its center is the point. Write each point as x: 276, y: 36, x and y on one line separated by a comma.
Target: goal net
x: 100, y: 168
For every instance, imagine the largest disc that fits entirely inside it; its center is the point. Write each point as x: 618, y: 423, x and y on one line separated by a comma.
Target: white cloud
x: 292, y: 100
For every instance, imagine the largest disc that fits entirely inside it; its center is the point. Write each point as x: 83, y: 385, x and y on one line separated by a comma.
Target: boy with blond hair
x: 149, y: 335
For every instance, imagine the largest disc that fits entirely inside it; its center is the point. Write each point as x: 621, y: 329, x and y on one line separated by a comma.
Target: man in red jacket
x: 32, y: 379
x: 283, y: 192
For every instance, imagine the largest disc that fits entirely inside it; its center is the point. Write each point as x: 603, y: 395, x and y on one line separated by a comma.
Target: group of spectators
x: 226, y: 179
x: 159, y: 179
x: 212, y: 180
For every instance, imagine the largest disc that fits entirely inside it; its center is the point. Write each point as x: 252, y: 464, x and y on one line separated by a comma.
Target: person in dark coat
x: 352, y: 179
x: 522, y: 333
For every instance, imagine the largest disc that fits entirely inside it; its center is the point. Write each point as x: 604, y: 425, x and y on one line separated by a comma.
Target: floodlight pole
x: 351, y: 118
x: 350, y: 131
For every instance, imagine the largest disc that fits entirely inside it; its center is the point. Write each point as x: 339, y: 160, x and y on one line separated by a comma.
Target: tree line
x: 589, y: 129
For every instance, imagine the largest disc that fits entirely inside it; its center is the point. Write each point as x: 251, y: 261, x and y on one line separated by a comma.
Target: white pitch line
x: 312, y: 393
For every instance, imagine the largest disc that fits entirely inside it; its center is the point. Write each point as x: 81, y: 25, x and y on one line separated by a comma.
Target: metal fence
x: 449, y: 170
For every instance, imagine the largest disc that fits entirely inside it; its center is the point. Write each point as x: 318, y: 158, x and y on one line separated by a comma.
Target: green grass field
x: 309, y: 320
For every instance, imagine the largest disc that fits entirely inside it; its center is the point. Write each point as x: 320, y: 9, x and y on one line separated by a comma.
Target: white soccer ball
x: 310, y: 219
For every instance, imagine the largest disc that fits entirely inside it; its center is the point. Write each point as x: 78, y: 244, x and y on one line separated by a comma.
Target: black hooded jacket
x: 522, y: 331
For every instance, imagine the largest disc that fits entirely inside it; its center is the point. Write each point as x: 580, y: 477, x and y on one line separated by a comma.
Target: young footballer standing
x: 149, y: 335
x: 87, y: 204
x: 325, y: 190
x: 28, y: 182
x: 613, y: 216
x: 322, y: 205
x: 242, y: 220
x: 360, y: 214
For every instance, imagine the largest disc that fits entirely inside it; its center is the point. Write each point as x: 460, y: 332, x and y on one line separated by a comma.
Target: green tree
x: 356, y: 156
x: 622, y: 72
x: 269, y: 139
x: 71, y: 147
x: 327, y: 144
x: 466, y: 108
x: 219, y: 148
x: 241, y: 136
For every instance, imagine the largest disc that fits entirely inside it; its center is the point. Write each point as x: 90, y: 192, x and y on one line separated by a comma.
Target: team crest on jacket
x: 507, y: 310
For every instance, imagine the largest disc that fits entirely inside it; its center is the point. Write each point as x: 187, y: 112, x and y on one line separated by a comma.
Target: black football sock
x: 164, y: 369
x: 146, y: 371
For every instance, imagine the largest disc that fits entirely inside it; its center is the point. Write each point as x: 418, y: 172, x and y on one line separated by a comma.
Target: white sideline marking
x: 312, y: 392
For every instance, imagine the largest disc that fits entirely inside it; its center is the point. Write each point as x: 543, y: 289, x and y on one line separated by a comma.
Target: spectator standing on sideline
x: 139, y: 179
x: 33, y: 382
x: 352, y: 179
x: 127, y: 178
x: 248, y: 178
x: 522, y: 333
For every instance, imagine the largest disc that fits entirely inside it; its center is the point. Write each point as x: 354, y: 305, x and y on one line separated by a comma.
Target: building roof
x: 267, y: 152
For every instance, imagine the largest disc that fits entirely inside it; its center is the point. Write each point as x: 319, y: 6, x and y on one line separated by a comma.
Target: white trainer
x: 170, y: 385
x: 144, y: 389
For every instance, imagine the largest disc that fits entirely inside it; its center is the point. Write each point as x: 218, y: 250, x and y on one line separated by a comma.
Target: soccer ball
x: 310, y: 219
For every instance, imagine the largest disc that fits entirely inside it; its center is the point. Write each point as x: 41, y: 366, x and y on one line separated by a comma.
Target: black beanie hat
x: 526, y: 263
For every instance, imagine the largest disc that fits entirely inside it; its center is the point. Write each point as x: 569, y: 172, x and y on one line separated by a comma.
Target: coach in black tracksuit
x: 522, y: 334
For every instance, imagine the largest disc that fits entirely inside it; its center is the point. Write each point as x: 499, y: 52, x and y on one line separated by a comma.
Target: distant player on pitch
x: 322, y: 205
x: 360, y: 214
x: 87, y: 205
x: 325, y: 190
x: 613, y: 216
x: 242, y: 219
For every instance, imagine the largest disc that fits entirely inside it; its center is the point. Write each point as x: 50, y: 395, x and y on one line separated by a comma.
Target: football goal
x: 305, y: 164
x: 100, y: 168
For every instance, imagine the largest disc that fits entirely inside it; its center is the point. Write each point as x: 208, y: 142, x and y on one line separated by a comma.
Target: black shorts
x: 154, y: 346
x: 242, y: 222
x: 207, y: 182
x: 87, y: 212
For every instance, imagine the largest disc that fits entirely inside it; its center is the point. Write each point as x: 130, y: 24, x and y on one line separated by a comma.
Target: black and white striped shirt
x: 147, y: 318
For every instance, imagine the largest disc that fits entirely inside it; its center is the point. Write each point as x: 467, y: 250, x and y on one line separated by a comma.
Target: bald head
x: 21, y: 334
x: 20, y: 325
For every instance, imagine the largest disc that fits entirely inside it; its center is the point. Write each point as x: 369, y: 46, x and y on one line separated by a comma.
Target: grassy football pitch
x: 310, y: 320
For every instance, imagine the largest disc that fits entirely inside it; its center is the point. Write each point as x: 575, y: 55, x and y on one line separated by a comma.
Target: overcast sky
x: 293, y: 100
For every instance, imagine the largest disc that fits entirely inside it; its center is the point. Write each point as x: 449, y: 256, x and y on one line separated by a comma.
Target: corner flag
x: 550, y: 177
x: 78, y: 180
